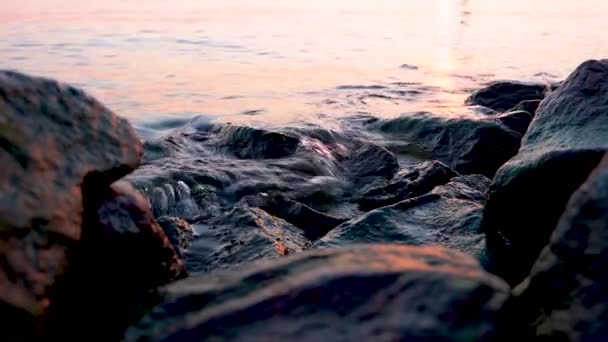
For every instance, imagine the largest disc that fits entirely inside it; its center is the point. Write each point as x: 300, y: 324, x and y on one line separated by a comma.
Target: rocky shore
x: 490, y: 226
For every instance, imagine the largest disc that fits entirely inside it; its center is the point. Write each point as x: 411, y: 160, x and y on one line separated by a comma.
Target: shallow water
x: 267, y: 123
x: 277, y: 62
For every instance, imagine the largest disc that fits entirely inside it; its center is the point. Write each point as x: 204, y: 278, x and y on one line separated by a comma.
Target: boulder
x: 179, y: 232
x: 55, y: 141
x: 123, y: 254
x: 468, y: 145
x: 504, y: 95
x: 450, y: 216
x: 564, y: 142
x: 371, y: 161
x: 566, y: 295
x: 253, y: 143
x: 242, y: 235
x: 408, y: 183
x: 369, y: 292
x: 517, y: 121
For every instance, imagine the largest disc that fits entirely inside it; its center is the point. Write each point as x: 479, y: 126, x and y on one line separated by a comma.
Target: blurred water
x: 277, y: 62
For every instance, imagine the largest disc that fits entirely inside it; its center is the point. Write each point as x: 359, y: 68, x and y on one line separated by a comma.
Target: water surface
x: 279, y: 62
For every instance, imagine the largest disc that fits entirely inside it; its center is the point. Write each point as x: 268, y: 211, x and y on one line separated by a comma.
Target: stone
x: 566, y: 140
x: 504, y: 95
x: 55, y: 140
x: 241, y: 235
x: 408, y: 183
x: 178, y: 230
x: 467, y: 145
x: 369, y: 292
x: 445, y: 217
x: 254, y: 143
x: 124, y: 254
x: 566, y: 295
x: 517, y: 121
x: 314, y: 224
x: 371, y: 161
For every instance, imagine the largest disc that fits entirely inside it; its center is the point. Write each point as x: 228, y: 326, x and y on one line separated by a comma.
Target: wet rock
x: 374, y: 292
x: 54, y: 140
x: 502, y: 96
x: 314, y: 224
x: 253, y: 143
x: 371, y: 161
x: 472, y: 188
x: 563, y: 144
x: 179, y: 231
x: 242, y: 235
x: 450, y: 216
x: 406, y: 184
x: 517, y: 121
x: 529, y: 106
x: 468, y: 145
x: 566, y: 295
x: 124, y: 253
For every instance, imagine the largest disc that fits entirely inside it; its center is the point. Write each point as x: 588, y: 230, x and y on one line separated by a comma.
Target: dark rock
x: 406, y: 184
x: 124, y: 254
x: 242, y: 235
x: 565, y: 141
x: 516, y: 121
x: 371, y: 161
x: 445, y: 217
x: 566, y: 295
x: 468, y: 145
x: 253, y: 143
x: 529, y: 106
x: 54, y: 141
x: 368, y: 293
x: 472, y: 188
x: 502, y: 96
x: 314, y: 224
x: 179, y: 231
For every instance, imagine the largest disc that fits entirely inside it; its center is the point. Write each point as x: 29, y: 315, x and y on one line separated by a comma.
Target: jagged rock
x: 472, y: 188
x: 373, y: 292
x: 371, y: 161
x: 517, y: 121
x: 563, y: 144
x: 179, y: 231
x: 408, y: 183
x: 468, y: 145
x: 258, y: 235
x: 55, y: 140
x: 504, y: 95
x: 446, y: 217
x: 123, y: 254
x: 566, y: 295
x: 313, y: 224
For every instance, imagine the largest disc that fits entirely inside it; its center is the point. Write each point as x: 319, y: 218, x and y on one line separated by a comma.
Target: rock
x: 467, y: 145
x: 563, y: 144
x: 258, y: 235
x: 566, y: 295
x: 406, y: 184
x: 502, y: 96
x: 179, y: 232
x: 55, y: 141
x: 445, y: 217
x: 373, y: 292
x: 472, y: 188
x: 253, y: 143
x: 516, y: 121
x: 371, y: 161
x: 313, y: 224
x: 124, y: 254
x: 529, y: 106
